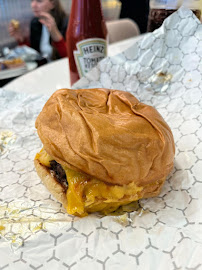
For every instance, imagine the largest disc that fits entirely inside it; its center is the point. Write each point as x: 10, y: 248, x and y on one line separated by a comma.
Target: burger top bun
x: 108, y: 134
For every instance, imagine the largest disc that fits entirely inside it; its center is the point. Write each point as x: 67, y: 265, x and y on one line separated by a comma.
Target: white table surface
x: 55, y: 75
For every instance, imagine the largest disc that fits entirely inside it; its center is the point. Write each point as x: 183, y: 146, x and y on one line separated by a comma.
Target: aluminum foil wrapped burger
x: 102, y: 149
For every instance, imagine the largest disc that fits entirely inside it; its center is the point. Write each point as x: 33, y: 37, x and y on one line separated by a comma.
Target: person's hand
x: 16, y: 33
x: 48, y: 20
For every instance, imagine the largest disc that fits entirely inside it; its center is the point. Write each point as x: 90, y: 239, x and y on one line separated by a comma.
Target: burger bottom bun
x: 51, y: 183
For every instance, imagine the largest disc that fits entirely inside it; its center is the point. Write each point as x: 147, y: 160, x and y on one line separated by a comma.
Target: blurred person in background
x: 137, y: 10
x: 47, y: 29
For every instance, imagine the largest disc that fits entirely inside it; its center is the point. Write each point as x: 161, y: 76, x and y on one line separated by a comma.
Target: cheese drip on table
x: 86, y: 194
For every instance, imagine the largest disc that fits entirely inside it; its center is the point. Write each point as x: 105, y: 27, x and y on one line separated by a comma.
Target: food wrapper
x: 25, y: 52
x: 163, y: 69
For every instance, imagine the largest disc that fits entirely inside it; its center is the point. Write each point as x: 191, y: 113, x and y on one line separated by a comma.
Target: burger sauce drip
x: 86, y: 37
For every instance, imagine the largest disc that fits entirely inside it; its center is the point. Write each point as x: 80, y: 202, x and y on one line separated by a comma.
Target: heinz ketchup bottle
x: 86, y: 37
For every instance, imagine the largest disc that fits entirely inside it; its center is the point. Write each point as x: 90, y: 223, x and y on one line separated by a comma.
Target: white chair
x: 121, y: 29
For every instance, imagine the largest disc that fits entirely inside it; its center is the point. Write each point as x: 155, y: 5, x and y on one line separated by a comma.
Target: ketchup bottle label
x: 89, y: 52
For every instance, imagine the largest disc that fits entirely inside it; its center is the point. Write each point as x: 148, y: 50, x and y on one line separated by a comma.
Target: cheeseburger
x: 102, y: 149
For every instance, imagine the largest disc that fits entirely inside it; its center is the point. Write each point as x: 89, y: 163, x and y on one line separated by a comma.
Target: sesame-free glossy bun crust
x: 108, y: 134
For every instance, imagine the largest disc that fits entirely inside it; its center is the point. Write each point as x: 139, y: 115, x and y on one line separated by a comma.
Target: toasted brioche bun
x: 107, y: 134
x: 51, y: 183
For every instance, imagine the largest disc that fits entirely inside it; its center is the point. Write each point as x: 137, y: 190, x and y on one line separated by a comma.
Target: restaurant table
x: 55, y: 75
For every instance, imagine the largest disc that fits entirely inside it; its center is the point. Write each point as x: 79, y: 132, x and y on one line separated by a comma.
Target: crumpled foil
x: 164, y: 69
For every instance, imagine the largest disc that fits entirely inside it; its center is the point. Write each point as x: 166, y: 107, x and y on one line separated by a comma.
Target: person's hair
x: 58, y: 12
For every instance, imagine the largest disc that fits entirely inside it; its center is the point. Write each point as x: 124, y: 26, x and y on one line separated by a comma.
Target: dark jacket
x: 35, y: 35
x: 137, y: 10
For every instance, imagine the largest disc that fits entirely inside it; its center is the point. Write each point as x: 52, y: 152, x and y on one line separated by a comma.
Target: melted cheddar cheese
x: 86, y: 194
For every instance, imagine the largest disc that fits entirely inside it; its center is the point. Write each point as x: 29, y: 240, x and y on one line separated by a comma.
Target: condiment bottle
x: 161, y: 9
x: 86, y: 37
